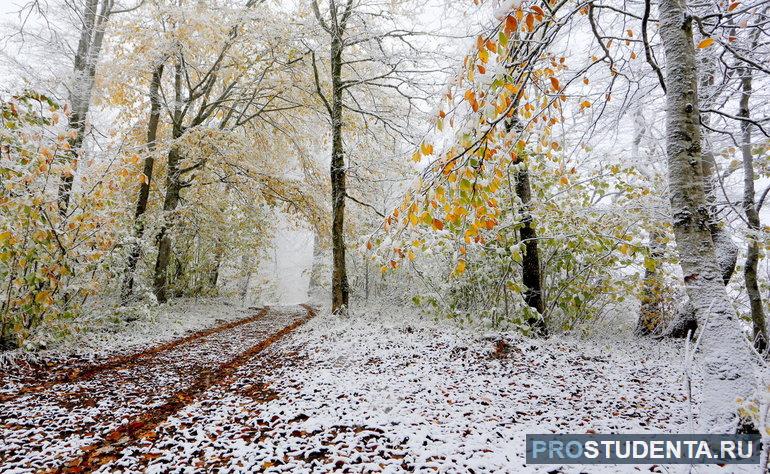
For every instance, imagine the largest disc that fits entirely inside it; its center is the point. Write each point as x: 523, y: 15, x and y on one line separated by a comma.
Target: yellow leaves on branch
x: 705, y: 43
x: 424, y: 150
x: 626, y: 249
x: 44, y: 298
x: 470, y: 96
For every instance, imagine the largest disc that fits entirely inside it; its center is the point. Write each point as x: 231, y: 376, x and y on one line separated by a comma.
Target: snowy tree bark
x: 752, y: 217
x: 726, y: 250
x: 144, y: 189
x: 94, y: 17
x: 726, y: 357
x: 335, y: 28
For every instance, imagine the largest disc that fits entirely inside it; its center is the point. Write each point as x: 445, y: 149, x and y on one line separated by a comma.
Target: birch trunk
x: 144, y: 189
x: 726, y: 357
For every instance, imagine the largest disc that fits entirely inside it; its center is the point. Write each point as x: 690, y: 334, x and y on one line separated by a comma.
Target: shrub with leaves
x: 48, y: 258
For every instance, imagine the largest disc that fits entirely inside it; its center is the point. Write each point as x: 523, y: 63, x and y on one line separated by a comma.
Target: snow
x: 109, y: 332
x: 390, y: 391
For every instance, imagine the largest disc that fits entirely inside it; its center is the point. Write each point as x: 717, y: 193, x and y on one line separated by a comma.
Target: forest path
x: 74, y: 420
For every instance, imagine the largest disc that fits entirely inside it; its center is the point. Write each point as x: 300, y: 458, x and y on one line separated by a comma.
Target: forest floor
x: 379, y: 391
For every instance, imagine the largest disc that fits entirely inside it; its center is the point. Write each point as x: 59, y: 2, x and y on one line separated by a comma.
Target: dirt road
x: 76, y: 421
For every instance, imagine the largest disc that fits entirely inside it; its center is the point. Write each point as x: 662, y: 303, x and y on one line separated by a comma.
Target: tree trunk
x: 144, y: 189
x: 340, y: 291
x: 316, y: 267
x: 171, y: 200
x: 752, y: 216
x: 726, y: 251
x: 651, y: 309
x: 530, y: 263
x: 726, y: 357
x: 219, y: 252
x: 84, y: 70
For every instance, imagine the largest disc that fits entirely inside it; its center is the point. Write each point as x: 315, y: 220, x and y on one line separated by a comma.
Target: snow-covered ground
x: 389, y: 391
x: 107, y: 332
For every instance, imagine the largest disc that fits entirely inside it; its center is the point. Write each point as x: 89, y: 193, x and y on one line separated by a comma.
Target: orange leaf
x: 705, y: 43
x: 511, y: 25
x: 437, y: 224
x: 555, y: 84
x: 733, y: 6
x: 530, y: 22
x: 538, y: 10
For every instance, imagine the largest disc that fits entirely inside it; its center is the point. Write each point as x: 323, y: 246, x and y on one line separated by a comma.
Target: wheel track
x: 99, y: 454
x: 116, y: 362
x: 48, y: 427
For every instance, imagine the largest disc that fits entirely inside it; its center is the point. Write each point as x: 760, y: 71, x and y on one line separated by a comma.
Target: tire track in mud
x: 87, y: 372
x: 75, y: 427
